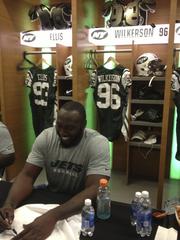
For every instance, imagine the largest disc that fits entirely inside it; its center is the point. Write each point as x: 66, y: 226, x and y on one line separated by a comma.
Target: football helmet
x: 116, y: 15
x: 152, y: 114
x: 115, y: 11
x: 148, y: 64
x: 148, y: 5
x: 41, y: 13
x: 61, y: 16
x: 132, y: 14
x: 68, y: 65
x: 150, y: 93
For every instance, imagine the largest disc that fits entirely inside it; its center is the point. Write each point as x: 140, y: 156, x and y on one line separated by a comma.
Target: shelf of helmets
x: 145, y: 134
x: 140, y: 105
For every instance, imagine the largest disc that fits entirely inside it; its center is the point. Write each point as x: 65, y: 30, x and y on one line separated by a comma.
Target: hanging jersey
x: 175, y: 87
x: 175, y: 80
x: 110, y: 94
x: 42, y: 96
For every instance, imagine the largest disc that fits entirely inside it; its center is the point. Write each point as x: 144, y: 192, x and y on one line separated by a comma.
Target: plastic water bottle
x: 144, y: 216
x: 135, y: 206
x: 88, y: 214
x: 103, y: 200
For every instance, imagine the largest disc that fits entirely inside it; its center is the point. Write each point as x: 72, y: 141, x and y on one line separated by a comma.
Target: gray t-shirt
x: 67, y: 168
x: 6, y: 143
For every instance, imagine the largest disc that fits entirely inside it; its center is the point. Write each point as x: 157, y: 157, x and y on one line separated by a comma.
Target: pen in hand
x: 14, y: 231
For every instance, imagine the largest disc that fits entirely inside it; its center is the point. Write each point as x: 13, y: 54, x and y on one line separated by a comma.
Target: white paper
x: 68, y: 229
x: 165, y: 234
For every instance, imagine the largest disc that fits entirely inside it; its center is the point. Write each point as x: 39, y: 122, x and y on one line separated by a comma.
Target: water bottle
x: 103, y: 200
x: 135, y: 206
x: 88, y: 214
x: 144, y: 216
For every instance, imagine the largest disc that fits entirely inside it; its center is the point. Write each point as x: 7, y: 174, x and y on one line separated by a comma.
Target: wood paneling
x: 167, y: 101
x: 13, y: 19
x: 144, y: 163
x: 86, y: 15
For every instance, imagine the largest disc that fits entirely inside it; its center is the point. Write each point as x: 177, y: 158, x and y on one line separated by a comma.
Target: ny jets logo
x: 28, y: 37
x: 99, y: 34
x: 178, y: 31
x: 142, y: 60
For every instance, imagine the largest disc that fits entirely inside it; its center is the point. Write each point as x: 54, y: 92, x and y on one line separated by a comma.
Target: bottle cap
x: 103, y: 182
x: 87, y: 202
x: 145, y: 194
x: 138, y: 194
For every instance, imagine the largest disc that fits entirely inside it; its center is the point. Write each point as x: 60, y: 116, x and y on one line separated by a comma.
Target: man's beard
x: 73, y: 142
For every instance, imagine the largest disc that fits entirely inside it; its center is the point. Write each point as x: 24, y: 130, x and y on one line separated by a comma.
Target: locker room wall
x: 85, y: 13
x: 13, y: 19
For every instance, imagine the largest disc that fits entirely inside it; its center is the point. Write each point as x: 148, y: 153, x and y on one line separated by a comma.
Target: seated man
x: 74, y: 157
x: 7, y: 155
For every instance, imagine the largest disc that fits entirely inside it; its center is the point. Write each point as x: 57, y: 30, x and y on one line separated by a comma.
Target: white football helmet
x: 144, y: 64
x: 116, y: 15
x: 68, y: 65
x: 132, y: 15
x: 114, y: 10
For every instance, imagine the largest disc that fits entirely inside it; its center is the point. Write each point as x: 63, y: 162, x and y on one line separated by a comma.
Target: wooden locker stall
x: 167, y: 112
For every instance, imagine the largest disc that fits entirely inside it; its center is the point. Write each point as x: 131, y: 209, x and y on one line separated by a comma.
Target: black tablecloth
x: 118, y: 227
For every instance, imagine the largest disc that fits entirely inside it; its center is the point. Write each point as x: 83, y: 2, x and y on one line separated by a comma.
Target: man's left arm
x: 75, y: 204
x: 43, y: 226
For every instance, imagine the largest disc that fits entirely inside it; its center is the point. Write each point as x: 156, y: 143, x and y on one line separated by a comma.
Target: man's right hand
x: 6, y: 217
